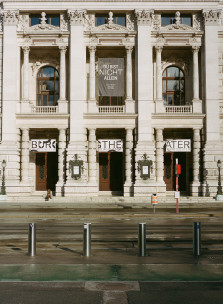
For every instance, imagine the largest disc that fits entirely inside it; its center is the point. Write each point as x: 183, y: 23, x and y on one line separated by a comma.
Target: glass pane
x: 166, y: 20
x: 44, y: 100
x: 39, y: 74
x: 57, y: 97
x: 164, y: 99
x: 39, y: 100
x: 48, y: 72
x: 173, y: 72
x: 34, y: 20
x: 51, y: 100
x: 49, y: 85
x: 39, y: 87
x: 176, y: 99
x: 182, y: 99
x: 170, y: 100
x: 182, y: 85
x: 173, y: 85
x: 113, y: 101
x: 57, y: 86
x: 164, y: 85
x: 187, y: 20
x: 120, y: 20
x: 100, y: 20
x: 55, y: 20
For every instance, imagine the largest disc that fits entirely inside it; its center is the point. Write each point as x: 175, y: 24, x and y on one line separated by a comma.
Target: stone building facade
x: 59, y: 132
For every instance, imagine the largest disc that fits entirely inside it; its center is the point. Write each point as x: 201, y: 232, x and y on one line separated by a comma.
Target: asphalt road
x: 112, y: 293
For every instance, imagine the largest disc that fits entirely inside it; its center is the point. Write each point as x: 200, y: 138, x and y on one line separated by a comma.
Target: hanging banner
x: 43, y: 145
x: 111, y: 76
x: 106, y: 145
x: 178, y: 145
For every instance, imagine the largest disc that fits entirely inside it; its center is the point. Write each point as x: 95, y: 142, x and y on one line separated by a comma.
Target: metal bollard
x: 142, y: 239
x: 87, y: 239
x: 197, y: 238
x: 32, y: 240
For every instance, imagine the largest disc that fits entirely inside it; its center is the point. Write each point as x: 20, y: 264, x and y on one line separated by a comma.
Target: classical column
x: 92, y: 50
x: 63, y: 50
x: 159, y: 155
x: 129, y: 72
x: 195, y: 50
x: 196, y: 151
x: 25, y: 155
x: 92, y: 155
x: 158, y: 73
x: 128, y: 156
x: 61, y: 151
x: 26, y: 50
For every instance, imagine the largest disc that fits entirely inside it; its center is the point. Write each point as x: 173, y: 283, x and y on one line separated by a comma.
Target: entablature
x: 164, y: 120
x: 38, y: 39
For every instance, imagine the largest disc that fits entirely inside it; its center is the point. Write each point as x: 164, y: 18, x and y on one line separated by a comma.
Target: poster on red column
x: 111, y: 76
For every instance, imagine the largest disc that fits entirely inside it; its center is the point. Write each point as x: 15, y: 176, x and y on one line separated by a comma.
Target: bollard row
x: 141, y: 239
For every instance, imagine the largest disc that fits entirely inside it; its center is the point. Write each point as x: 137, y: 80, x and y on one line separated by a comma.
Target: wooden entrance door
x: 46, y: 171
x: 169, y: 170
x: 41, y: 171
x: 104, y: 172
x: 110, y: 171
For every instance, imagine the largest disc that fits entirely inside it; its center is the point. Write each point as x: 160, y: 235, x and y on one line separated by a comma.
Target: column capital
x: 211, y: 17
x: 76, y: 17
x: 195, y: 48
x: 26, y: 49
x: 159, y: 48
x: 92, y: 48
x: 63, y: 48
x: 129, y: 48
x: 144, y: 17
x: 10, y: 17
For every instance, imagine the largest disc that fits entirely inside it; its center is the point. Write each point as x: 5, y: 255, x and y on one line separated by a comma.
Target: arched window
x: 47, y: 86
x: 173, y: 86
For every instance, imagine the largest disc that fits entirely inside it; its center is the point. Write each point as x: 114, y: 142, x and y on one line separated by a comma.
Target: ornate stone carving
x: 63, y: 22
x: 177, y: 25
x: 156, y: 20
x: 110, y: 26
x: 130, y: 22
x: 26, y: 49
x: 197, y: 22
x: 144, y: 17
x: 45, y: 60
x: 76, y: 17
x: 93, y: 40
x: 211, y: 17
x: 182, y: 62
x: 10, y: 17
x: 89, y: 22
x: 23, y: 22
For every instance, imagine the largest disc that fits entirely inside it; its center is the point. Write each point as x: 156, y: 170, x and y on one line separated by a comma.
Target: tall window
x: 173, y: 86
x: 110, y: 100
x: 47, y: 86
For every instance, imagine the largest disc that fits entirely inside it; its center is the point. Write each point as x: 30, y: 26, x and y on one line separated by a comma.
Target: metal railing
x: 179, y: 109
x: 44, y: 109
x: 111, y: 109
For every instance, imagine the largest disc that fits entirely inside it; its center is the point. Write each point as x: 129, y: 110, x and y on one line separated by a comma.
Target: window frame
x: 172, y: 19
x: 40, y: 92
x: 48, y: 17
x: 173, y: 93
x: 115, y: 16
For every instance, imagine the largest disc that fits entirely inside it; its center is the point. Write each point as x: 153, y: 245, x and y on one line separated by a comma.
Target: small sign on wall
x: 178, y: 145
x: 43, y: 145
x: 106, y: 145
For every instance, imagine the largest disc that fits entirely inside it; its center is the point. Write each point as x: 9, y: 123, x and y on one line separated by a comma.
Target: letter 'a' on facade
x: 104, y: 102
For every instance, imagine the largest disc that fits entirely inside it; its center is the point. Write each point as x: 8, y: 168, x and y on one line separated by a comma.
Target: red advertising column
x: 177, y: 195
